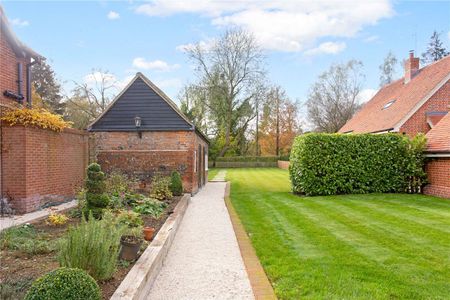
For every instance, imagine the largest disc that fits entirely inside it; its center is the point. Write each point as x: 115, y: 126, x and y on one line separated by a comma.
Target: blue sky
x: 301, y: 38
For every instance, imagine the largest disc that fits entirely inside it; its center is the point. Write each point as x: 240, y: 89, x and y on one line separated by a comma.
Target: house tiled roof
x: 438, y: 138
x: 377, y: 116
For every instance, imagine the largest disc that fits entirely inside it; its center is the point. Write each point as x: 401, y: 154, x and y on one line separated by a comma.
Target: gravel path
x: 204, y: 261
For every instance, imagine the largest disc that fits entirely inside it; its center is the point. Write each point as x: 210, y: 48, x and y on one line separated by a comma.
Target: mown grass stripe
x: 331, y: 267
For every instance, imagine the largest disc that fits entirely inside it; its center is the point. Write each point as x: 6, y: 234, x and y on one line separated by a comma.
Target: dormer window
x: 387, y: 105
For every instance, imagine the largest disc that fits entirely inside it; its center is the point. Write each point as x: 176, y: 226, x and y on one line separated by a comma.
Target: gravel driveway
x: 204, y: 261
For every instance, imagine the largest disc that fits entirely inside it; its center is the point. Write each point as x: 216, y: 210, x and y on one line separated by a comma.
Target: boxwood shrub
x: 64, y: 283
x: 330, y: 164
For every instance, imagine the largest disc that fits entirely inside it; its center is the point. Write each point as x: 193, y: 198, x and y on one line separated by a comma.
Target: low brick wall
x: 40, y: 166
x: 438, y: 171
x: 282, y: 164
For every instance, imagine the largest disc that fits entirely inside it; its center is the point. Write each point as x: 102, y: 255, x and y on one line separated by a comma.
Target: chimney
x: 411, y: 66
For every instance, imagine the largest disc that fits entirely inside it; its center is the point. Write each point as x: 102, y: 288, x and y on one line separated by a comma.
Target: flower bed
x: 96, y: 237
x: 19, y: 268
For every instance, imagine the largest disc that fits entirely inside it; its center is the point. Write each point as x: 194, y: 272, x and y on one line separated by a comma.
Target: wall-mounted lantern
x: 137, y: 123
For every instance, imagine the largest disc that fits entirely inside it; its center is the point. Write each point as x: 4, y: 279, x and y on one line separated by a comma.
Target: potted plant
x: 148, y: 233
x: 130, y: 243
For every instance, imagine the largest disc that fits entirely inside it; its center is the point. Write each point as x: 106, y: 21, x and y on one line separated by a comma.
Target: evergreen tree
x: 435, y: 50
x: 46, y: 87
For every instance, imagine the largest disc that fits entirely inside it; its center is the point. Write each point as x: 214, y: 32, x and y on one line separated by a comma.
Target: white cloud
x: 327, y: 48
x: 448, y: 34
x: 97, y: 76
x: 112, y: 15
x: 282, y: 25
x: 208, y: 44
x: 157, y: 65
x: 366, y: 94
x: 175, y: 83
x: 372, y: 38
x: 19, y: 22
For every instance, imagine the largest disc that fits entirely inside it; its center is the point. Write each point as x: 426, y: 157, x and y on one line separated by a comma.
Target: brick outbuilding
x: 143, y: 133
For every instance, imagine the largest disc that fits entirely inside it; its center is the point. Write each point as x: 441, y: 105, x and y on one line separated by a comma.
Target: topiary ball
x: 64, y: 283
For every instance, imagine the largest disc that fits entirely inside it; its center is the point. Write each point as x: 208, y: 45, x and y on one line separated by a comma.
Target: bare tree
x: 97, y: 90
x: 387, y: 69
x: 231, y: 71
x: 332, y: 100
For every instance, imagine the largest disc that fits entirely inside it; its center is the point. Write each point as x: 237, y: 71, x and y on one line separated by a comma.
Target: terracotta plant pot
x: 148, y: 233
x: 130, y: 247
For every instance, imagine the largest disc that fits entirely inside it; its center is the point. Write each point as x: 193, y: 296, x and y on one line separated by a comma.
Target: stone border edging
x: 262, y: 289
x: 140, y: 278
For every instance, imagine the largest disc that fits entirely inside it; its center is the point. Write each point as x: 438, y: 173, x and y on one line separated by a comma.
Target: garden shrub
x: 92, y: 246
x: 34, y: 117
x: 96, y: 198
x: 55, y: 219
x: 330, y: 164
x: 160, y: 188
x: 118, y: 183
x: 129, y: 218
x: 64, y: 283
x: 176, y: 185
x: 150, y: 207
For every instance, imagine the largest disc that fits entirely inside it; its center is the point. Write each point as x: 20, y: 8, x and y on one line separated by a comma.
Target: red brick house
x: 417, y: 103
x: 143, y: 133
x: 16, y: 60
x: 438, y: 153
x: 412, y: 104
x: 38, y: 167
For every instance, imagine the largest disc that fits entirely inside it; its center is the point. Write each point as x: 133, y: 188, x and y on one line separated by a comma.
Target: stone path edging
x: 7, y: 222
x: 262, y: 289
x: 140, y: 278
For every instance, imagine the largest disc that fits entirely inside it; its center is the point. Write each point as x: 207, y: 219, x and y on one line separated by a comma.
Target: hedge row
x: 246, y: 164
x: 247, y: 159
x: 330, y: 164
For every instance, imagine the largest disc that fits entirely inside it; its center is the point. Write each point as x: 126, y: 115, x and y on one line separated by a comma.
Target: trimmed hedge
x: 64, y: 283
x: 330, y: 164
x: 246, y: 162
x: 247, y: 159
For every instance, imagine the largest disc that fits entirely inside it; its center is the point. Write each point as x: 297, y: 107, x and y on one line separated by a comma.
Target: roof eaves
x: 19, y: 48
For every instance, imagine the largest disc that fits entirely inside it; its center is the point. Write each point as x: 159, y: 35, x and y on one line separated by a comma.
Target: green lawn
x: 212, y: 173
x: 376, y: 246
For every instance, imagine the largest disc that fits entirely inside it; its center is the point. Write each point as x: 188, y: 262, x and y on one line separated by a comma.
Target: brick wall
x: 157, y: 152
x: 8, y: 74
x: 438, y: 170
x: 42, y: 166
x: 440, y: 101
